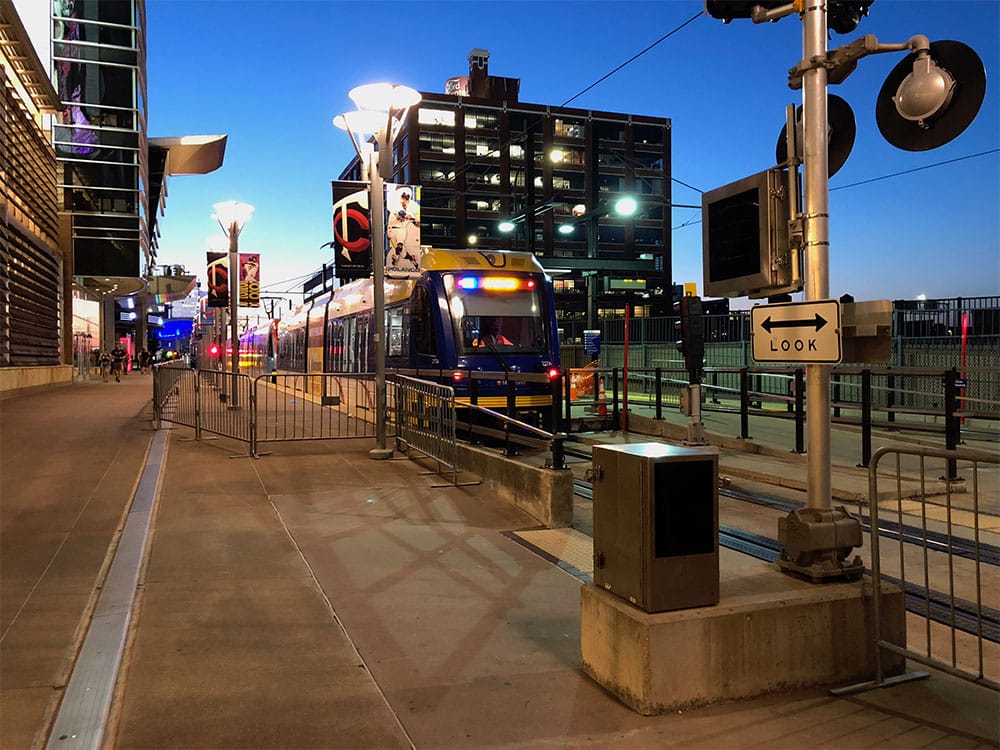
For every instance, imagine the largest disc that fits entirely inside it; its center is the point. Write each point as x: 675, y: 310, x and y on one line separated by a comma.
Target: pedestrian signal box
x: 745, y: 238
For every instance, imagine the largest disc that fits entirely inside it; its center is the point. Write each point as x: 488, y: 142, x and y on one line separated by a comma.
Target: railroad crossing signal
x: 797, y: 332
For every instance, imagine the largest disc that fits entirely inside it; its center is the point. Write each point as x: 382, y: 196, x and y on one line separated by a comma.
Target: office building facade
x: 482, y: 156
x: 32, y: 268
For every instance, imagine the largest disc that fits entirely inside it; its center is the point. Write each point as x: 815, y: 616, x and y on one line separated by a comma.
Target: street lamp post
x: 381, y: 106
x: 232, y: 216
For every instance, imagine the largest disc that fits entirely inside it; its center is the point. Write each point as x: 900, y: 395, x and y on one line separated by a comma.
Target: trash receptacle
x: 656, y: 524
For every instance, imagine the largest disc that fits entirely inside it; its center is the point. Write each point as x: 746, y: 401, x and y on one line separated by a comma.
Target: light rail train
x: 465, y: 312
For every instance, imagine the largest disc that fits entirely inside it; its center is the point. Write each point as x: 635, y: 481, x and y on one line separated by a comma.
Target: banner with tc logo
x: 218, y: 279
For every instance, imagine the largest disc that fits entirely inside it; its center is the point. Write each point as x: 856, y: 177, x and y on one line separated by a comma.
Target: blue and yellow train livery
x: 465, y: 312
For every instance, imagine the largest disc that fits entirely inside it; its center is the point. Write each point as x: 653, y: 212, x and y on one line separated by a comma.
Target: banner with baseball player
x: 249, y: 279
x: 402, y: 229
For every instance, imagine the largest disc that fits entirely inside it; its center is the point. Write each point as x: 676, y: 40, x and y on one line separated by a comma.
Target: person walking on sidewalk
x: 104, y: 360
x: 118, y: 356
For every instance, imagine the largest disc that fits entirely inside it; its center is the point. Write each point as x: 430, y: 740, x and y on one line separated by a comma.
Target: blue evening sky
x: 272, y: 74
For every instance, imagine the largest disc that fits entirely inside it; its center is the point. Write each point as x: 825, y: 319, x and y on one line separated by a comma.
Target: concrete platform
x: 317, y: 598
x: 770, y: 632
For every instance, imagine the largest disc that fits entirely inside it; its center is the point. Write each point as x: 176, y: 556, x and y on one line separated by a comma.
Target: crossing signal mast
x: 758, y: 243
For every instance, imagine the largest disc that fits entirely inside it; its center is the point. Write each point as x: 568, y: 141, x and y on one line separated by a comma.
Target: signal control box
x: 656, y: 524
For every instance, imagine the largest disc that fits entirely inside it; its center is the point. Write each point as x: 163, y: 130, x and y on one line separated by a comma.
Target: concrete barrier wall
x: 17, y: 380
x: 544, y: 494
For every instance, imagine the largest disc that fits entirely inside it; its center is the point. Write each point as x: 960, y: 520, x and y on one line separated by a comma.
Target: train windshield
x: 496, y: 312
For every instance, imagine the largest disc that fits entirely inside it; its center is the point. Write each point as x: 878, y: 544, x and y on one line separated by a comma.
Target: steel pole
x: 817, y: 245
x: 376, y: 200
x: 234, y: 305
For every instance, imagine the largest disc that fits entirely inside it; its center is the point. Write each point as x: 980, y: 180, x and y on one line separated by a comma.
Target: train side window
x: 394, y: 328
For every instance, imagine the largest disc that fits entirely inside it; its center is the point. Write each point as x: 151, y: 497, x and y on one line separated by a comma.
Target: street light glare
x: 362, y: 121
x: 626, y: 206
x: 381, y: 97
x: 229, y: 212
x: 506, y: 226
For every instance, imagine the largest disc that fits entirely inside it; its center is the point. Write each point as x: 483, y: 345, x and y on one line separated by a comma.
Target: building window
x: 481, y: 203
x: 436, y: 199
x: 481, y: 120
x: 648, y: 161
x: 431, y: 171
x: 437, y: 143
x: 611, y: 184
x: 567, y: 155
x: 517, y: 178
x: 427, y: 116
x: 569, y: 128
x: 649, y: 236
x: 649, y: 134
x: 612, y: 234
x: 568, y: 181
x: 476, y: 145
x: 482, y: 174
x: 438, y: 227
x: 649, y: 186
x: 611, y: 131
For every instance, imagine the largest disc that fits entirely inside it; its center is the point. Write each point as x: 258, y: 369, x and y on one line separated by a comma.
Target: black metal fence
x: 912, y: 399
x: 934, y: 335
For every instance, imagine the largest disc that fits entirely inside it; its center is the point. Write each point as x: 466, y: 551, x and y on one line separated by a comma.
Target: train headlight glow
x: 493, y: 283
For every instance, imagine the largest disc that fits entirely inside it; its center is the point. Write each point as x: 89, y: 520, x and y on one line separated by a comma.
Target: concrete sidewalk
x: 317, y: 598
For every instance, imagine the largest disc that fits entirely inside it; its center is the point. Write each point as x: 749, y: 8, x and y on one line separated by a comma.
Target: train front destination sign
x: 797, y: 332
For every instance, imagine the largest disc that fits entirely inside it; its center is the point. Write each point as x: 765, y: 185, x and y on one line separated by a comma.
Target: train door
x: 335, y: 345
x: 423, y: 339
x: 395, y: 326
x: 362, y: 335
x: 315, y: 364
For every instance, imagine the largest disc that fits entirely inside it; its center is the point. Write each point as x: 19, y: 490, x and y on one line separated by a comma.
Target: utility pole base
x: 816, y: 544
x: 380, y: 454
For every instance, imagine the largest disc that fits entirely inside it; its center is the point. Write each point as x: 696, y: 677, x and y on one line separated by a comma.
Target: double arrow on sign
x: 818, y: 322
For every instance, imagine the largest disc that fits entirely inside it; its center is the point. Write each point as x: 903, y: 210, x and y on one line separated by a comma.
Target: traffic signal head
x: 214, y: 350
x: 690, y: 327
x: 843, y: 16
x: 727, y: 10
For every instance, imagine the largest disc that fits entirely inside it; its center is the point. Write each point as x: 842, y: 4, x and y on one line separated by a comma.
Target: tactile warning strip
x: 940, y: 513
x: 569, y: 549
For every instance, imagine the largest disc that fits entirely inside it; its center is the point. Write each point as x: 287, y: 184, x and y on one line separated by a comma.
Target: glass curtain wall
x: 100, y: 138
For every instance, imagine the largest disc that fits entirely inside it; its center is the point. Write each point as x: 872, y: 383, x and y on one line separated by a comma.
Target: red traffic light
x: 214, y: 350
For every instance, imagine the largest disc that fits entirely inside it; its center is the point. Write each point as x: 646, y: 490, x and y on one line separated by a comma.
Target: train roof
x: 468, y: 259
x: 357, y: 294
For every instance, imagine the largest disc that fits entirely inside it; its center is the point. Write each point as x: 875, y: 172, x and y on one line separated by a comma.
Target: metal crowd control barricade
x: 328, y: 406
x: 932, y: 559
x: 426, y: 421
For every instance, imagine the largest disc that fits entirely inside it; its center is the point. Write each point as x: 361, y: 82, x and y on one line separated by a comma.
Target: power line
x: 878, y: 179
x: 915, y: 169
x: 632, y: 59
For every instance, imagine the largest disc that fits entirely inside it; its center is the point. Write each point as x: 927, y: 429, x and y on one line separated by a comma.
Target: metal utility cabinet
x: 656, y: 525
